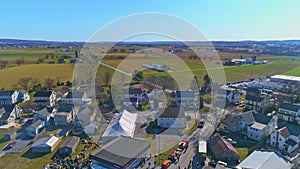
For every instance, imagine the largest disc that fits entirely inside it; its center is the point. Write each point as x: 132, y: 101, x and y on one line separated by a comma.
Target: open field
x: 293, y: 72
x: 11, y: 74
x: 30, y: 55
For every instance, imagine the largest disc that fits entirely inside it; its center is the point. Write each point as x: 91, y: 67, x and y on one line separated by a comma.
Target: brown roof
x: 284, y: 132
x: 220, y: 145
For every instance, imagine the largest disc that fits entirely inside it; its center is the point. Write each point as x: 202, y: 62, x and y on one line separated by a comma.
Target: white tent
x: 123, y: 125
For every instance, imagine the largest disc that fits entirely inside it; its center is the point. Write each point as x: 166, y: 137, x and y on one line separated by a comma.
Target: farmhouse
x: 8, y: 97
x: 121, y: 153
x: 229, y: 95
x: 171, y: 118
x: 289, y: 112
x: 45, y: 144
x: 45, y: 98
x: 23, y: 96
x: 70, y: 145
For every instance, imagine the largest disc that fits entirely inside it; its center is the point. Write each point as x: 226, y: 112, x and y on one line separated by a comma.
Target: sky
x: 78, y: 20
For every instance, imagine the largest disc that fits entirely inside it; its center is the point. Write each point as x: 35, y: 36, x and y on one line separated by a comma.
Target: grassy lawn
x: 243, y: 153
x: 27, y: 160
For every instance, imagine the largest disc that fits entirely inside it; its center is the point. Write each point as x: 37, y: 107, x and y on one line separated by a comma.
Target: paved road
x: 118, y: 70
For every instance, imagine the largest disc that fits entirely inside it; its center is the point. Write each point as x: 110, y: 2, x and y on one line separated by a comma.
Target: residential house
x: 286, y: 137
x: 8, y: 97
x: 77, y: 98
x: 70, y: 145
x: 63, y: 91
x: 171, y: 118
x: 45, y: 98
x: 263, y: 159
x: 223, y: 149
x: 229, y: 95
x: 289, y: 112
x: 186, y: 98
x: 255, y: 125
x: 86, y: 119
x: 45, y: 144
x: 133, y: 93
x: 35, y: 128
x: 64, y: 115
x: 9, y: 113
x: 44, y: 114
x: 122, y: 152
x: 256, y: 100
x: 23, y: 96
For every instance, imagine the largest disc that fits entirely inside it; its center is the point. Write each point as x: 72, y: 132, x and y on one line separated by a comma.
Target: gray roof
x: 65, y: 108
x: 187, y: 93
x: 42, y: 94
x: 120, y: 151
x: 265, y: 160
x: 290, y: 142
x: 171, y: 112
x: 36, y: 123
x: 292, y: 107
x: 45, y: 111
x: 6, y: 92
x: 251, y: 117
x: 76, y: 94
x: 71, y: 142
x: 6, y: 111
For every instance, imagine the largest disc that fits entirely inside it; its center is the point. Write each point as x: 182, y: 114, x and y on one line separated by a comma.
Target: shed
x: 45, y: 144
x: 70, y: 145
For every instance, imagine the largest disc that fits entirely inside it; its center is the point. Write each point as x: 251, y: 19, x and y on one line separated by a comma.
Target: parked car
x: 201, y: 123
x: 166, y: 164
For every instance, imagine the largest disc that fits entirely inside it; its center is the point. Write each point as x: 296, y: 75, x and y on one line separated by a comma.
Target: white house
x: 255, y: 125
x: 186, y: 98
x: 46, y: 98
x: 230, y: 95
x: 289, y: 112
x: 286, y: 138
x: 77, y: 98
x: 23, y: 96
x: 255, y: 100
x: 133, y: 93
x: 8, y: 97
x: 262, y: 127
x: 171, y: 118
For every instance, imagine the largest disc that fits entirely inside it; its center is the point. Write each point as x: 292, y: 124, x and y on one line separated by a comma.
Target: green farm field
x: 293, y: 72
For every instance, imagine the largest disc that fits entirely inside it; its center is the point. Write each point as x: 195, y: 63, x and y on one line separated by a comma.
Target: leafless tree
x: 18, y: 62
x: 48, y: 82
x: 24, y: 82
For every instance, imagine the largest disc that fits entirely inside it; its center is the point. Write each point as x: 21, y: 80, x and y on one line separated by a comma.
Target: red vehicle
x: 12, y: 144
x: 166, y: 164
x: 184, y: 144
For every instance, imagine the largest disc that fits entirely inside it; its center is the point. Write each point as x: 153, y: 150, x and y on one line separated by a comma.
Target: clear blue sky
x: 77, y: 20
